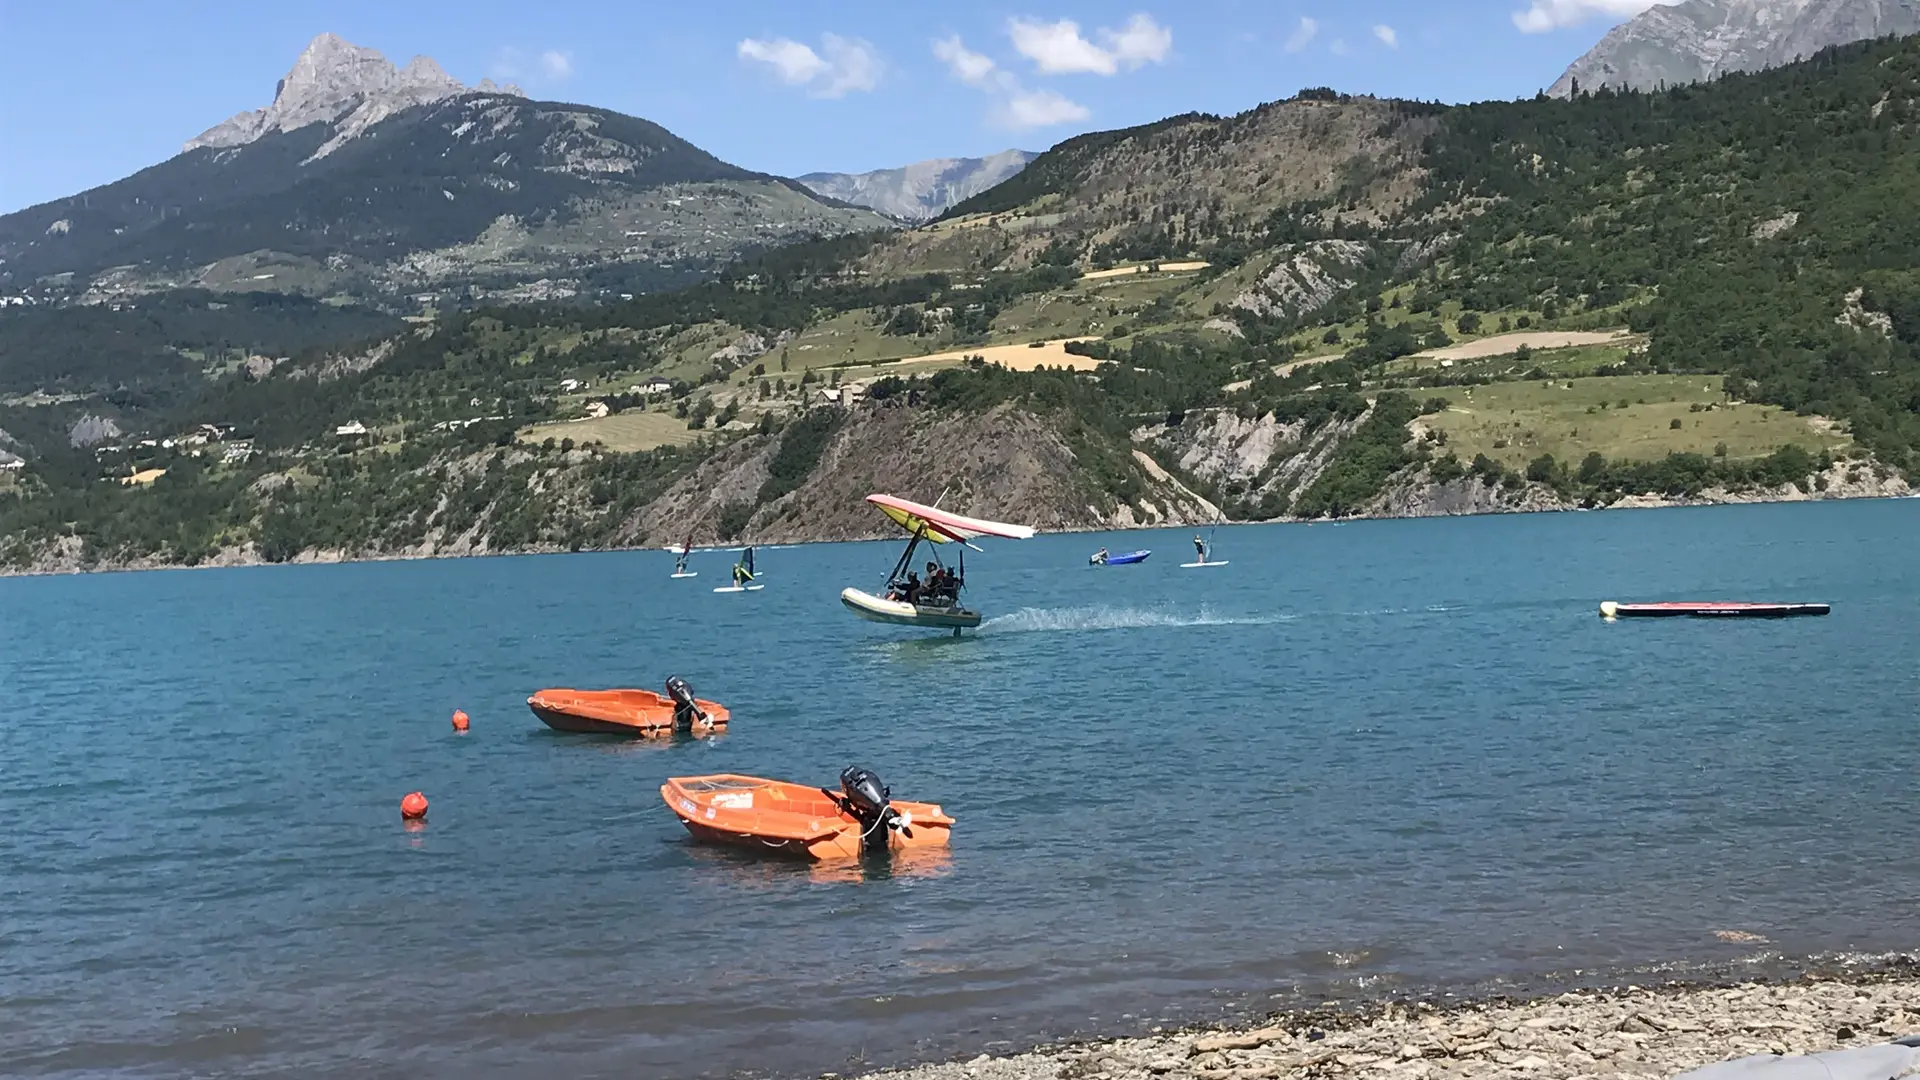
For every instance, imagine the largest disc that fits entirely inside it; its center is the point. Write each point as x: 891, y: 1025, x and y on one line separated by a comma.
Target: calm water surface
x: 1371, y: 755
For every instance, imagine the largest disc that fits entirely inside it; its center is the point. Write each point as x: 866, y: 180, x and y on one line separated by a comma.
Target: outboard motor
x: 868, y: 800
x: 686, y: 711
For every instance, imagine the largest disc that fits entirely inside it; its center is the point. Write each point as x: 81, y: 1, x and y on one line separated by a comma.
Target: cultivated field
x: 1016, y: 357
x: 1623, y: 417
x: 626, y: 433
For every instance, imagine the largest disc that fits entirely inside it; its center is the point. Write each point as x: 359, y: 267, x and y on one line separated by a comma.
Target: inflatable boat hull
x: 900, y: 613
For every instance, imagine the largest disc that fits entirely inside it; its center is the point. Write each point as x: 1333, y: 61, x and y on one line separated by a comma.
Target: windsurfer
x: 1200, y: 549
x: 741, y: 575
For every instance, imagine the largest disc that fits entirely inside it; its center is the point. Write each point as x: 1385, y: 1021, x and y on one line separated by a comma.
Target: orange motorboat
x: 629, y: 712
x: 810, y: 822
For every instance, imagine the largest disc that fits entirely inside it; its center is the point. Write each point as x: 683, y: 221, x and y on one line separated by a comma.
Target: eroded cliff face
x: 1258, y: 460
x: 1008, y: 464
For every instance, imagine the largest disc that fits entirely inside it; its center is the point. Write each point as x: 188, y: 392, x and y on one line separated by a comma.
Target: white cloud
x: 1018, y: 108
x: 1037, y: 109
x: 1339, y: 48
x: 548, y: 66
x: 1545, y: 15
x: 1141, y: 41
x: 557, y: 65
x: 966, y: 65
x: 1302, y: 35
x: 794, y: 63
x: 1057, y: 48
x: 855, y: 64
x: 1386, y: 35
x: 848, y: 65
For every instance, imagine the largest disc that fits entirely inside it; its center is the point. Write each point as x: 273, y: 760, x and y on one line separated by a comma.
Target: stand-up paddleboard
x: 740, y: 588
x: 1204, y: 552
x: 690, y: 573
x: 1611, y: 610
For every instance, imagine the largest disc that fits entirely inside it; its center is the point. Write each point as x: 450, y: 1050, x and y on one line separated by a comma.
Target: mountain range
x: 364, y: 178
x: 1700, y: 40
x: 923, y: 190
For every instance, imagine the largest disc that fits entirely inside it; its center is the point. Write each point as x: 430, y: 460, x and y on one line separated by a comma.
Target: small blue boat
x: 1103, y: 559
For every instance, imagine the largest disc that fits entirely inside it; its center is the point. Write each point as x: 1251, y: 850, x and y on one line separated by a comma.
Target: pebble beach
x: 1627, y: 1032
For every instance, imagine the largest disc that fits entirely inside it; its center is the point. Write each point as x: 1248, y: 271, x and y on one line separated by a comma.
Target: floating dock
x: 1708, y: 610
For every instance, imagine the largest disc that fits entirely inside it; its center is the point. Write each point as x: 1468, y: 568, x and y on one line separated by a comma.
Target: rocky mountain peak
x: 1671, y: 44
x: 348, y: 86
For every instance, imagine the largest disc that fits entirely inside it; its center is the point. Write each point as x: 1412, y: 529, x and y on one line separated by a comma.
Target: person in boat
x: 1100, y: 557
x: 911, y: 593
x: 1199, y: 549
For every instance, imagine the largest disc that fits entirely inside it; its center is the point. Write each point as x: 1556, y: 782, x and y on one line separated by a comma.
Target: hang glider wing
x: 942, y: 527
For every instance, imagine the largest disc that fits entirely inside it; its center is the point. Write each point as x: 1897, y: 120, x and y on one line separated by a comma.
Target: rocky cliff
x: 1699, y: 40
x: 345, y: 86
x: 923, y: 190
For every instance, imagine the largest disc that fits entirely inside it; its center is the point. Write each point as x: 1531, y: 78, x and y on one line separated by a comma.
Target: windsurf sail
x: 747, y: 560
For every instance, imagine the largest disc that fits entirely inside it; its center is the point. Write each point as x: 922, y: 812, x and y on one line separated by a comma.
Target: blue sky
x: 92, y: 91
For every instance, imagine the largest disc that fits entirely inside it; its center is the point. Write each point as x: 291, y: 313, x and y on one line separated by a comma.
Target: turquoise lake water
x: 1363, y: 757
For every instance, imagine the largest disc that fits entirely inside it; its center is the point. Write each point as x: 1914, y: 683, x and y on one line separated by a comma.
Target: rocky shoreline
x: 1457, y: 499
x: 1644, y: 1032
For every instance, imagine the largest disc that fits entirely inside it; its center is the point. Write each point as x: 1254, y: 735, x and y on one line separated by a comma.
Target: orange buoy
x: 459, y: 720
x: 414, y: 806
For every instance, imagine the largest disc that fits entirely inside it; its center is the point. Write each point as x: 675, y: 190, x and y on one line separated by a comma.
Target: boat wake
x: 1040, y: 620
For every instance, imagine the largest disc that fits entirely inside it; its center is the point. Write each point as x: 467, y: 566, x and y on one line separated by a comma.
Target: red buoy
x: 414, y: 806
x: 459, y: 720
